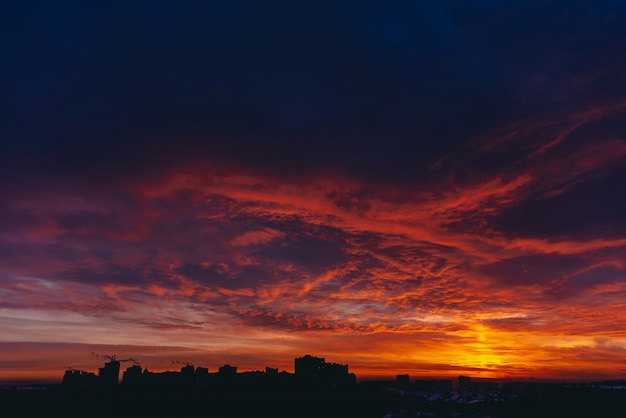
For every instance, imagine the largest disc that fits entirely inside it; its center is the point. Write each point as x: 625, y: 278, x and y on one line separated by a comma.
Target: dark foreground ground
x: 357, y: 401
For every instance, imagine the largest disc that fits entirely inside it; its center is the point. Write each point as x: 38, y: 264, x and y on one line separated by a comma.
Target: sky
x: 424, y: 187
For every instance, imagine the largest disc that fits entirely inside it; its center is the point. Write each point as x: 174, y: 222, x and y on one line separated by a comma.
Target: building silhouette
x: 79, y: 378
x: 227, y: 374
x: 133, y: 376
x: 403, y: 380
x: 187, y: 375
x: 202, y: 376
x: 309, y: 368
x: 315, y: 370
x: 109, y: 374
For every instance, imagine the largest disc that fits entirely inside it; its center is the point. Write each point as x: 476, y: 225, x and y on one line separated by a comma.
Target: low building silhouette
x: 79, y: 378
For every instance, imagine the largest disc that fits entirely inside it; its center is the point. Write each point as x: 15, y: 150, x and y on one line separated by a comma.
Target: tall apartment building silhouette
x: 109, y: 374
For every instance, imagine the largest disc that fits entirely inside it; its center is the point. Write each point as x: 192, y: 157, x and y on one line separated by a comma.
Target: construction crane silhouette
x: 134, y: 361
x: 114, y: 358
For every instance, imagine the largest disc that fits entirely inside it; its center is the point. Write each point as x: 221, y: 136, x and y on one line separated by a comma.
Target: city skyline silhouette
x: 315, y: 388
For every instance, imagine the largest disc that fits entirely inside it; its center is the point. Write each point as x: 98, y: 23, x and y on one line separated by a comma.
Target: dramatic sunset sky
x: 425, y: 187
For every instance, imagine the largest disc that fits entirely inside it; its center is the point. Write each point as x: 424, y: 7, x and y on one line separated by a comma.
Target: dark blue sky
x: 364, y: 86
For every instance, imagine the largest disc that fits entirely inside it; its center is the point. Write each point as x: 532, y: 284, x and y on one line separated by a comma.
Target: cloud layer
x: 443, y: 276
x: 423, y: 187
